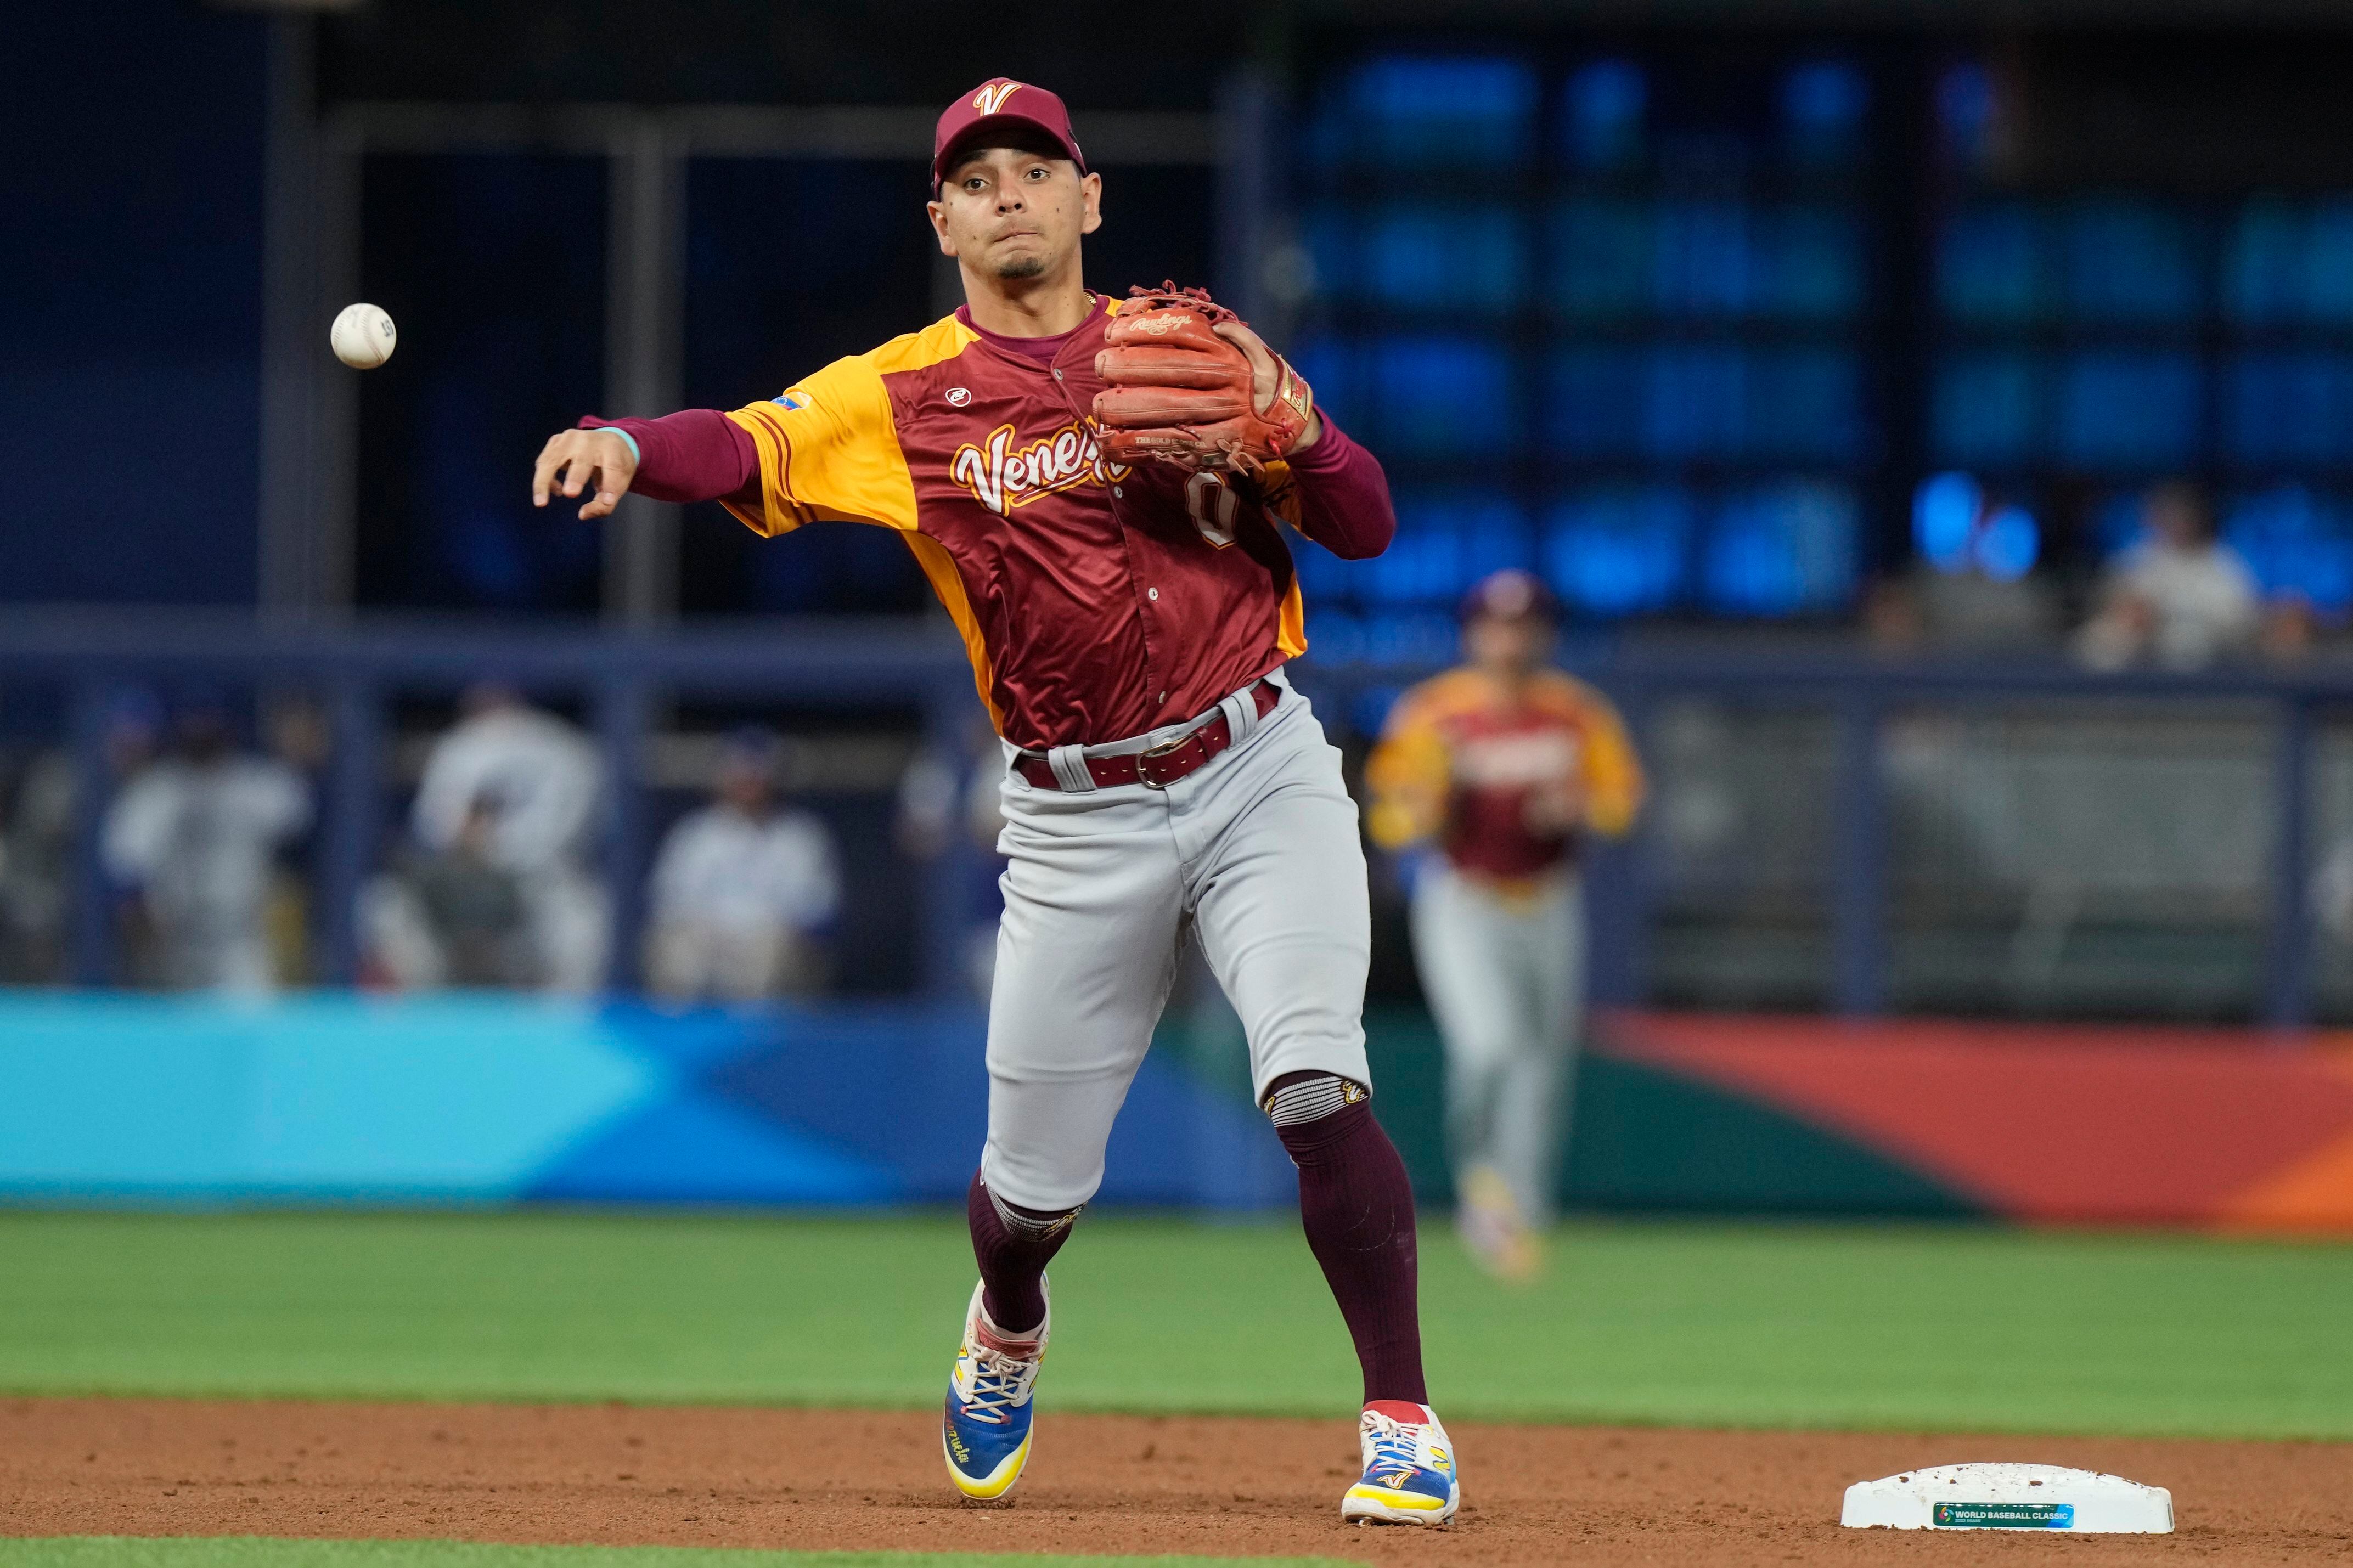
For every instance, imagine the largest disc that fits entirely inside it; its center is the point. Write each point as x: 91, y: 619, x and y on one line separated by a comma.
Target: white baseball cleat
x: 1409, y: 1475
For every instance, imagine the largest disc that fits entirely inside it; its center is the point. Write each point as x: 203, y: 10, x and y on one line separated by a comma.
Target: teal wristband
x: 635, y: 456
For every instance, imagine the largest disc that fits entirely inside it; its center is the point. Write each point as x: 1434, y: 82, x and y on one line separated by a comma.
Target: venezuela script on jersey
x: 1097, y: 601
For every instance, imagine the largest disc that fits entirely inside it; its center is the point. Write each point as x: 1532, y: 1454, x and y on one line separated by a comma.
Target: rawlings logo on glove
x: 1179, y: 375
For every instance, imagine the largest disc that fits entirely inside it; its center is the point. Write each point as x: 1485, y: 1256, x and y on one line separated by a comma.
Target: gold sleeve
x: 1614, y: 784
x: 1408, y: 775
x: 828, y: 451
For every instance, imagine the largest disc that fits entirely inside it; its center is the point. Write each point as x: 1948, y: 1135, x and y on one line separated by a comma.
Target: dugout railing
x: 1840, y: 754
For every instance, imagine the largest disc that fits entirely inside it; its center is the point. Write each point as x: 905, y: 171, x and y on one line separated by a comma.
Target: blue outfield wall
x: 489, y: 1098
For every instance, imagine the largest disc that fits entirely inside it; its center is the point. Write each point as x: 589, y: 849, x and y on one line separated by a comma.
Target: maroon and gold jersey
x: 1504, y: 785
x: 1097, y: 602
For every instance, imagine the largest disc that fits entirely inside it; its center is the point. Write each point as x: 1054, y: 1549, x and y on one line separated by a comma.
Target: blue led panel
x: 1987, y: 409
x: 1330, y: 235
x: 1595, y: 409
x: 2116, y: 522
x: 1787, y: 548
x: 1603, y: 107
x: 1991, y: 265
x: 2291, y: 407
x: 1440, y: 397
x: 1707, y: 402
x: 2127, y: 261
x: 1427, y: 113
x: 1330, y: 364
x: 1965, y: 113
x: 1435, y: 258
x: 2297, y: 545
x: 1620, y: 550
x: 1446, y: 540
x: 1601, y: 257
x: 2263, y: 263
x: 1695, y: 402
x: 1823, y: 103
x: 1325, y: 581
x: 1701, y: 265
x: 2128, y: 409
x: 1804, y: 405
x: 2328, y: 263
x: 2287, y: 262
x: 1811, y: 263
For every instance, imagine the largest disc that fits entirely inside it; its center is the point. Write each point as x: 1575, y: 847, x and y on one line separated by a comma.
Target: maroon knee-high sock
x: 1357, y: 1208
x: 1013, y: 1249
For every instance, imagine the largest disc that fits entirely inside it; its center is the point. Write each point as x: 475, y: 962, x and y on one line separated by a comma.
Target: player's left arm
x: 1327, y: 487
x: 1613, y: 782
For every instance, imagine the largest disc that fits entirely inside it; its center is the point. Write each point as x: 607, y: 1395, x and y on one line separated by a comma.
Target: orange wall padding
x: 2236, y: 1129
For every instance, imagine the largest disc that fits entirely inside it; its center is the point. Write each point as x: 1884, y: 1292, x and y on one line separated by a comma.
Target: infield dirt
x: 1218, y: 1487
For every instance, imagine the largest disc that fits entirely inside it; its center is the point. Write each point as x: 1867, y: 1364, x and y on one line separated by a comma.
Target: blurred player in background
x: 742, y: 889
x: 1503, y: 767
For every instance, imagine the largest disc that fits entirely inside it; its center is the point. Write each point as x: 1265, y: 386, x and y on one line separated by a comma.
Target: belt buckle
x: 1144, y: 774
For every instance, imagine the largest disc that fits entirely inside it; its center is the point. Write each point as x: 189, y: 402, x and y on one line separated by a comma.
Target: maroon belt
x: 1159, y: 766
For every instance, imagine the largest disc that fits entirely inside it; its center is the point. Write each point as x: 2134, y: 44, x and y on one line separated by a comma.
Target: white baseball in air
x: 362, y: 336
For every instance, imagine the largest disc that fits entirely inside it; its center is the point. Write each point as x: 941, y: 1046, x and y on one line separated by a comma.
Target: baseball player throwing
x: 1503, y: 765
x: 1093, y: 489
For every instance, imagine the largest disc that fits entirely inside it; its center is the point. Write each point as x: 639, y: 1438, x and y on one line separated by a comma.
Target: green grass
x: 256, y: 1551
x: 1833, y: 1326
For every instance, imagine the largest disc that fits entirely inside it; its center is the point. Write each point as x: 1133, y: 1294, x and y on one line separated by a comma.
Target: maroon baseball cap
x: 1001, y: 103
x: 1510, y: 595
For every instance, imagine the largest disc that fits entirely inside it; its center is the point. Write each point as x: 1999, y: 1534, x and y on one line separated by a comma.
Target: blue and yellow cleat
x: 1408, y: 1467
x: 985, y: 1431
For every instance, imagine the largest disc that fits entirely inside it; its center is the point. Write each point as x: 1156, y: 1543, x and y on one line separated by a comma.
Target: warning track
x: 1218, y: 1487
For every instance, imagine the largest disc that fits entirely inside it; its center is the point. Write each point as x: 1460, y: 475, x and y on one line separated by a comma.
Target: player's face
x: 1016, y: 213
x: 1508, y: 645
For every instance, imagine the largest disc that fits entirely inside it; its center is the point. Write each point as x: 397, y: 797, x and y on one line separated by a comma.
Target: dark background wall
x: 131, y: 301
x: 130, y: 286
x: 758, y: 51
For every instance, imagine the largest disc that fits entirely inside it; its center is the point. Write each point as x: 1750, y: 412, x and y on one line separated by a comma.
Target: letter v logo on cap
x: 990, y: 99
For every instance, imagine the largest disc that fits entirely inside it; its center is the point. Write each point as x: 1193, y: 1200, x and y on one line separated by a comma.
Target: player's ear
x: 939, y: 216
x: 1090, y: 194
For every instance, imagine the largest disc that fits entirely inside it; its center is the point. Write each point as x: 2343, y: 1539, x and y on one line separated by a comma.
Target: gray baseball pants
x: 1506, y: 981
x: 1257, y: 853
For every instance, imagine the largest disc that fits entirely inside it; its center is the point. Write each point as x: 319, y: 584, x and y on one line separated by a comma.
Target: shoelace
x: 1394, y: 1446
x: 998, y: 1382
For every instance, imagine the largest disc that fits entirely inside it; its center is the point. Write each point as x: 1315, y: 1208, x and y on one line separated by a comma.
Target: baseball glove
x: 1178, y: 391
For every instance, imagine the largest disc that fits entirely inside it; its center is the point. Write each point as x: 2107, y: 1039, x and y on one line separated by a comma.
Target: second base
x: 2009, y: 1496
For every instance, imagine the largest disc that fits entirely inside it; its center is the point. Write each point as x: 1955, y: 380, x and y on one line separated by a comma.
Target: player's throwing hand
x: 579, y: 459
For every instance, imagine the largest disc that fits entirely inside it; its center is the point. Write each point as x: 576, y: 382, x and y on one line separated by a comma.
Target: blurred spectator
x: 455, y: 916
x: 538, y: 779
x: 1972, y: 586
x: 295, y: 729
x: 2179, y: 598
x: 2292, y: 629
x: 742, y: 890
x: 194, y: 836
x: 949, y: 805
x: 35, y: 871
x: 1966, y: 611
